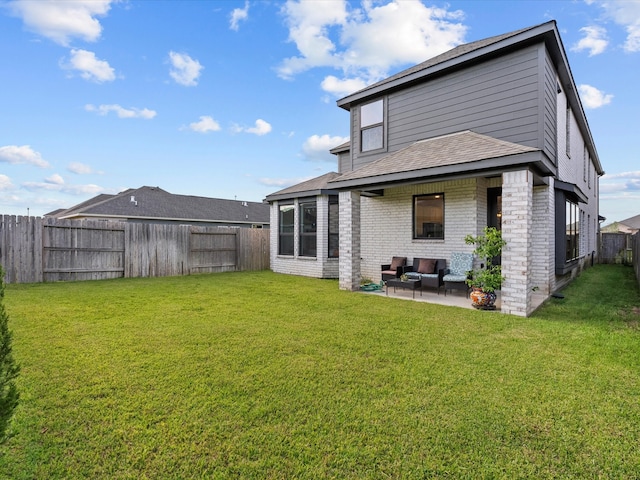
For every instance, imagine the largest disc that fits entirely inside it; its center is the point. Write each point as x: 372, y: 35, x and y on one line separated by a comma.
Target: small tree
x: 488, y: 247
x: 8, y: 368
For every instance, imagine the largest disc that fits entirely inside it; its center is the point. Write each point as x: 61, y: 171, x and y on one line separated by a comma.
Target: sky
x: 237, y: 99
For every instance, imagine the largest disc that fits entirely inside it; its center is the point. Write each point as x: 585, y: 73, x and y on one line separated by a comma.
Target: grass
x: 259, y: 375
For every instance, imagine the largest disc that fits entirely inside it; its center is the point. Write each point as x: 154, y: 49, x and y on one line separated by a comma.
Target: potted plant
x: 488, y: 278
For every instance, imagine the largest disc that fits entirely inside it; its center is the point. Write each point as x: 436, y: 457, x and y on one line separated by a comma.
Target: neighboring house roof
x: 451, y: 154
x: 153, y: 203
x: 315, y: 186
x: 632, y: 222
x: 474, y: 52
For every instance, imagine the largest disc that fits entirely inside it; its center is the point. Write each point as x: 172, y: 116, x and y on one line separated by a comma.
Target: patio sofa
x: 429, y: 270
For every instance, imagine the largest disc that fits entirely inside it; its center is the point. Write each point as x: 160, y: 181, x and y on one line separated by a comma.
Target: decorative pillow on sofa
x: 398, y: 262
x: 427, y: 265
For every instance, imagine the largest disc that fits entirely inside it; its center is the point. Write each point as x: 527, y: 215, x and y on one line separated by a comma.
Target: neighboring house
x: 154, y: 205
x: 630, y: 225
x: 491, y: 133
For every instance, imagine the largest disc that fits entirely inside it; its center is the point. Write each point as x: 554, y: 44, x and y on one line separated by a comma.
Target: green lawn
x: 260, y: 375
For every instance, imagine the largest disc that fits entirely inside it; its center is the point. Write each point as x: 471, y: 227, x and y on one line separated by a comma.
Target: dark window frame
x: 308, y: 231
x: 431, y: 230
x: 286, y: 239
x: 333, y: 240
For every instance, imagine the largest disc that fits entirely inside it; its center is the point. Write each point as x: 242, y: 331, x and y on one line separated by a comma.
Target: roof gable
x: 449, y: 59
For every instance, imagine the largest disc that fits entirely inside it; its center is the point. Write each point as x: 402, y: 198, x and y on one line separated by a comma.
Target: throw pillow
x: 397, y: 262
x: 427, y: 265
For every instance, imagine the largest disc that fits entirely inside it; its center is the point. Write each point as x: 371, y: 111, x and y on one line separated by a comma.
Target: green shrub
x: 8, y: 368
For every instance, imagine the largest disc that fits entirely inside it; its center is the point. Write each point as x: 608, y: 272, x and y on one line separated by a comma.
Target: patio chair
x: 458, y: 272
x: 393, y: 269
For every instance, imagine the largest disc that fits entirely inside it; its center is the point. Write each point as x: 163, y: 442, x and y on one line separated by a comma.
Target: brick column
x: 349, y: 275
x: 517, y: 221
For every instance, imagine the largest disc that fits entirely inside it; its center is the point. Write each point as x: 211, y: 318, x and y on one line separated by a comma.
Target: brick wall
x: 387, y: 223
x: 543, y: 239
x: 319, y: 266
x: 517, y: 216
x: 350, y: 240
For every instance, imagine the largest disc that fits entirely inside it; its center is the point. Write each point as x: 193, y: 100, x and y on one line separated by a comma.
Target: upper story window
x: 372, y: 126
x: 568, y: 132
x: 428, y: 216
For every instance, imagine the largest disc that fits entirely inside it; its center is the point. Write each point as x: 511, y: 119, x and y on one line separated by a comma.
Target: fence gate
x: 82, y: 250
x: 616, y: 248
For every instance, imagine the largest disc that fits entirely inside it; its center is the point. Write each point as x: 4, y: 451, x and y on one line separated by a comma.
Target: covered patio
x: 452, y: 299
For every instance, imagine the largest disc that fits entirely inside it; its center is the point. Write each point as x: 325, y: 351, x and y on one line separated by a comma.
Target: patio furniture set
x: 428, y: 272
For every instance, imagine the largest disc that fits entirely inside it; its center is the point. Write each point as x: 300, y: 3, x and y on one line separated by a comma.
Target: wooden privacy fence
x: 34, y: 249
x: 616, y: 248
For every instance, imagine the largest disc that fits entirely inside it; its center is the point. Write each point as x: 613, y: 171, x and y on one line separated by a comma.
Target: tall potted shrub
x: 488, y: 278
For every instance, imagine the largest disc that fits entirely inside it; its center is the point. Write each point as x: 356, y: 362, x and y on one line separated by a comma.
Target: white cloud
x: 56, y: 183
x: 261, y: 128
x: 5, y: 183
x: 592, y: 97
x: 204, y: 125
x: 90, y: 67
x: 122, y: 112
x: 62, y: 20
x: 317, y: 147
x: 625, y: 13
x: 372, y: 40
x: 609, y: 176
x: 344, y: 87
x: 81, y: 169
x: 594, y: 40
x: 23, y: 155
x: 282, y: 182
x: 184, y: 69
x: 238, y: 15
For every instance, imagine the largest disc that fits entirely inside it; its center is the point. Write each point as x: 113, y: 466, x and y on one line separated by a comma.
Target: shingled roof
x: 156, y: 204
x: 313, y: 187
x: 456, y: 153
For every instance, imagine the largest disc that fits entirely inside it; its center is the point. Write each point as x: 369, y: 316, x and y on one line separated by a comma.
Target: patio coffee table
x: 412, y: 283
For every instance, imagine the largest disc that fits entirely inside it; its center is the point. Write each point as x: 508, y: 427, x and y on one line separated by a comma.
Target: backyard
x: 261, y: 375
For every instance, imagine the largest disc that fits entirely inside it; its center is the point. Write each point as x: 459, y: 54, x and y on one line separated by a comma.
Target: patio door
x: 494, y: 213
x: 494, y: 207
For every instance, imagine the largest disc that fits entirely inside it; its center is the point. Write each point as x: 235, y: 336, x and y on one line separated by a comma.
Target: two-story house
x: 490, y: 133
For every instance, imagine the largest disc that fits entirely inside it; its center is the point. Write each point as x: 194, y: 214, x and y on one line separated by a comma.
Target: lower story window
x: 334, y: 227
x: 308, y: 228
x: 286, y: 230
x: 428, y: 216
x: 572, y: 231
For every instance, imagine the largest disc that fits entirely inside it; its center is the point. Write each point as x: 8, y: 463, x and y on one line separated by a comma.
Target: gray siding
x: 344, y: 162
x: 550, y: 104
x: 500, y: 98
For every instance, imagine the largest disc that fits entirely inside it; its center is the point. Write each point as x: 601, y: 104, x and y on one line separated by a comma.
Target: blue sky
x: 235, y: 99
